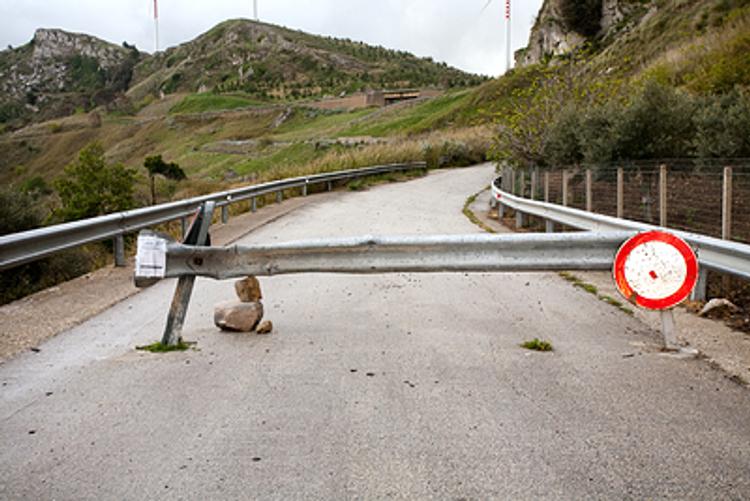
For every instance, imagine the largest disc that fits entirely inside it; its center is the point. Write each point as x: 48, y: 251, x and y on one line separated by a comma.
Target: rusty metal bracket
x: 196, y: 235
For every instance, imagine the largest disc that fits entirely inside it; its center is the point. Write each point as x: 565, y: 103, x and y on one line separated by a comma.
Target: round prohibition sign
x: 655, y: 270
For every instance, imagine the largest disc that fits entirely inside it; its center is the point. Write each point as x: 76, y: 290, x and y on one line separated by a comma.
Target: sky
x: 458, y: 32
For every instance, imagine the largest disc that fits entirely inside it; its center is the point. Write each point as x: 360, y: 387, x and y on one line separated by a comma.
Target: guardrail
x: 24, y: 247
x: 713, y: 253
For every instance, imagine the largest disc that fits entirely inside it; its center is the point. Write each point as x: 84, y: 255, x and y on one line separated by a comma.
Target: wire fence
x: 700, y: 196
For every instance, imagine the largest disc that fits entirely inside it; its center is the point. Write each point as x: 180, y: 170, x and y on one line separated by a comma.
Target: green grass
x: 309, y: 123
x: 537, y: 345
x: 429, y: 115
x: 473, y: 217
x: 592, y: 289
x: 158, y: 347
x: 201, y: 103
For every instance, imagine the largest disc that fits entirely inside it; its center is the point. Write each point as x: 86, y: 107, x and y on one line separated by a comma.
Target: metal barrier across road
x: 20, y: 248
x: 714, y: 254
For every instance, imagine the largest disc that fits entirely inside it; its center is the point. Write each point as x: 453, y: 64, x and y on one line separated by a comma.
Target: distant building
x: 386, y: 97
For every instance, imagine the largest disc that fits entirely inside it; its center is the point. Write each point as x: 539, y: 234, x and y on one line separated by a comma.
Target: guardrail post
x: 726, y: 205
x: 534, y: 176
x: 513, y: 182
x: 329, y: 186
x: 549, y: 226
x: 304, y: 189
x: 546, y: 186
x: 184, y: 225
x: 565, y: 188
x: 620, y: 192
x: 119, y: 242
x: 663, y: 195
x: 177, y: 311
x: 224, y: 214
x: 500, y: 210
x: 589, y: 195
x: 520, y: 219
x: 279, y: 196
x: 253, y: 204
x: 699, y: 292
x: 522, y: 183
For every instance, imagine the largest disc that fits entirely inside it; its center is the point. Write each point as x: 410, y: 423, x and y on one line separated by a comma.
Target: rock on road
x: 409, y: 386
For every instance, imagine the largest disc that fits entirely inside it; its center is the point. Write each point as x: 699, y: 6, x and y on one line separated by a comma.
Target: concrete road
x: 397, y: 386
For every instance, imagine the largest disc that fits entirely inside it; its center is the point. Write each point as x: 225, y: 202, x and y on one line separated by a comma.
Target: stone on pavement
x: 248, y: 289
x: 265, y: 327
x: 238, y: 317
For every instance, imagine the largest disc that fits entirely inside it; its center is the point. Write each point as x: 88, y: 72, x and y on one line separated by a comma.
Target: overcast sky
x: 454, y: 31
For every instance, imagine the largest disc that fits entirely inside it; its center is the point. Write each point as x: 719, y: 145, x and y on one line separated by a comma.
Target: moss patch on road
x: 537, y: 345
x: 470, y: 214
x: 163, y: 348
x: 591, y: 289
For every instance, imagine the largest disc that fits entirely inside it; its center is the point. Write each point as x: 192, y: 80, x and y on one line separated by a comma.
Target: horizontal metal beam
x: 713, y: 253
x: 371, y: 254
x: 27, y: 246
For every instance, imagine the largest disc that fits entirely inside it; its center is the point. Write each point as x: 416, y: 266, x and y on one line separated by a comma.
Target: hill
x: 58, y: 72
x: 272, y: 62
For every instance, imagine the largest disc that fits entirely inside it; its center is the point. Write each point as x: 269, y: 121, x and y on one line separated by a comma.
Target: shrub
x: 91, y: 187
x: 722, y: 124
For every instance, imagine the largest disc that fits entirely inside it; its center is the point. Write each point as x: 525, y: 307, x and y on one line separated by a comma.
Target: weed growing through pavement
x: 158, y: 347
x: 537, y: 345
x: 591, y: 289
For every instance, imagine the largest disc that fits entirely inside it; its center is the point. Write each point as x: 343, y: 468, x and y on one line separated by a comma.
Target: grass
x: 473, y: 217
x: 429, y: 115
x: 201, y: 103
x: 592, y: 289
x: 158, y: 347
x: 537, y: 345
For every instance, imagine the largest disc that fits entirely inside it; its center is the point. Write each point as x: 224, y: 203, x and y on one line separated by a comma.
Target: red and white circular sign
x: 655, y: 270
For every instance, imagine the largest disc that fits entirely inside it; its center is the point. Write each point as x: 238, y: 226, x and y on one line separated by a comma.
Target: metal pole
x: 329, y: 185
x: 224, y: 214
x: 620, y: 193
x: 565, y: 188
x: 508, y: 49
x: 520, y: 219
x: 522, y: 184
x: 668, y: 330
x: 255, y: 9
x: 304, y: 189
x: 663, y: 195
x: 183, y: 224
x: 513, y: 182
x: 279, y: 196
x: 726, y: 205
x: 699, y: 292
x: 119, y: 242
x: 549, y: 226
x: 546, y: 186
x: 253, y: 204
x: 177, y: 311
x: 589, y: 196
x: 534, y: 182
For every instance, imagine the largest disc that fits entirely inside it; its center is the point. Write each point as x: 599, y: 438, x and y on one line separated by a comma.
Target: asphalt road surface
x: 373, y: 387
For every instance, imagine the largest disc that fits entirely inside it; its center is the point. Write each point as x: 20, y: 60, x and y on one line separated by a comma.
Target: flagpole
x: 507, y: 36
x: 156, y: 25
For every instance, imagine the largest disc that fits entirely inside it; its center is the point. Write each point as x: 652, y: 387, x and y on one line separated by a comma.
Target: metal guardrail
x: 392, y: 254
x: 713, y: 253
x: 24, y: 247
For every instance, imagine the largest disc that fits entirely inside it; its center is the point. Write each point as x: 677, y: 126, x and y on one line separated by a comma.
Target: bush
x: 722, y: 124
x: 18, y: 213
x: 91, y: 187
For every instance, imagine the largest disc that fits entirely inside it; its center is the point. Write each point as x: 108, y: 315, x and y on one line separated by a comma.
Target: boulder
x: 265, y: 327
x: 248, y: 290
x: 238, y: 317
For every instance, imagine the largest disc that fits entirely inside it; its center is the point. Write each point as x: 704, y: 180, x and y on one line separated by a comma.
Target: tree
x: 92, y: 187
x: 156, y: 166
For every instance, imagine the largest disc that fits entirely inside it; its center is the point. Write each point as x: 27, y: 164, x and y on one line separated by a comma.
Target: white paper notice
x: 151, y: 260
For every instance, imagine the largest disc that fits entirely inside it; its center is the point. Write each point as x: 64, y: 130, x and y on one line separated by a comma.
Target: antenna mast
x: 255, y: 9
x: 156, y: 26
x: 507, y: 36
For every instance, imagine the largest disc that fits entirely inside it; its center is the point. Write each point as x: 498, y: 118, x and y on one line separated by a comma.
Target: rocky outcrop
x: 551, y: 37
